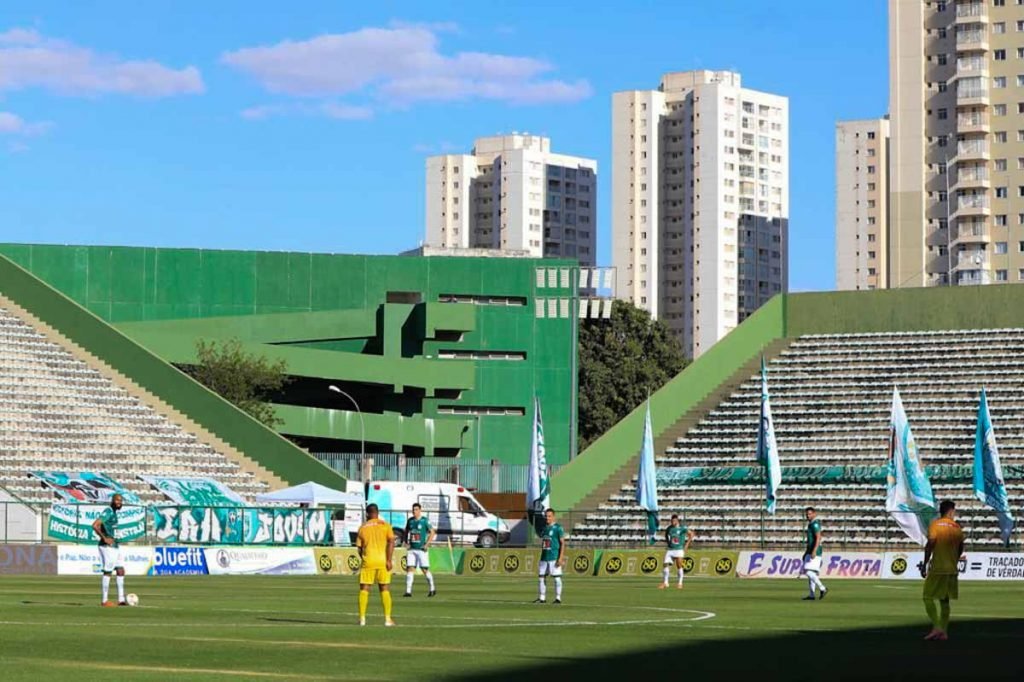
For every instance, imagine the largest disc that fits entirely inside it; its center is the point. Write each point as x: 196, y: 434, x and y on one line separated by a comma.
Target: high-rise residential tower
x: 513, y: 194
x: 700, y: 201
x: 862, y: 204
x: 957, y: 110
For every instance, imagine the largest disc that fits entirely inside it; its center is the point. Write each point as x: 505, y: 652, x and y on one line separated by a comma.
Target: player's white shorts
x: 673, y: 554
x: 549, y: 568
x: 812, y: 564
x: 110, y: 558
x: 417, y: 558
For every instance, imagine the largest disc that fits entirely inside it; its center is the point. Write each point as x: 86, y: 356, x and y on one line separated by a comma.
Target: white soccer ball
x: 132, y: 599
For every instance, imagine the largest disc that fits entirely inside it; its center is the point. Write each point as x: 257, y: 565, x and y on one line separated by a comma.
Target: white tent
x: 312, y: 494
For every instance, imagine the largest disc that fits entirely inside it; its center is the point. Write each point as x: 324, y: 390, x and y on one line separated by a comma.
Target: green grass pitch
x: 304, y: 628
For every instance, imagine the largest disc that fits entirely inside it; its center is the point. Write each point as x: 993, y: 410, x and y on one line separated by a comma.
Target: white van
x: 453, y: 511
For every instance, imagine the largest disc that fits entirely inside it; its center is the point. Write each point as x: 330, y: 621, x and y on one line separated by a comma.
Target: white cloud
x: 31, y: 60
x: 401, y: 65
x: 12, y: 124
x: 333, y: 110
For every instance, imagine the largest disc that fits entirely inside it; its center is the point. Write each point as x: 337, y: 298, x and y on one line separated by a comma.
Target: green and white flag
x: 908, y: 495
x: 767, y: 447
x: 538, y: 482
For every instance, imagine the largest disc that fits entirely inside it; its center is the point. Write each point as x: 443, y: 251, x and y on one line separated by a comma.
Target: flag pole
x: 764, y: 462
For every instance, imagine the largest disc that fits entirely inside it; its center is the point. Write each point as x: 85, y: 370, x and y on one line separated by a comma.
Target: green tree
x: 247, y: 380
x: 620, y: 360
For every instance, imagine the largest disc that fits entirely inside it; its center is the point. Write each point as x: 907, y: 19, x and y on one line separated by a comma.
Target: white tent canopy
x: 312, y: 494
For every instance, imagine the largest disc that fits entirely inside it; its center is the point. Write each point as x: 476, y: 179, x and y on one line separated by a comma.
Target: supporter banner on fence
x: 262, y: 560
x: 974, y: 566
x: 85, y: 559
x: 73, y: 522
x: 501, y: 562
x: 631, y: 562
x: 28, y: 560
x: 769, y: 564
x: 708, y: 563
x: 196, y: 492
x: 178, y: 561
x: 238, y: 525
x: 84, y: 486
x: 345, y: 561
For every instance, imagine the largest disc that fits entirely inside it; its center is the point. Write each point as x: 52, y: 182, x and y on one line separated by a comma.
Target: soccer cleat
x: 407, y: 594
x: 431, y: 593
x: 108, y: 603
x: 540, y: 601
x: 808, y: 598
x: 679, y: 586
x: 662, y: 586
x: 122, y: 603
x: 941, y: 637
x: 362, y: 621
x: 821, y: 595
x: 558, y: 601
x: 389, y: 623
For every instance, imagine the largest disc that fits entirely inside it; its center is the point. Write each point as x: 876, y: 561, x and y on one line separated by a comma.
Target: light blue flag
x: 538, y: 482
x: 646, y: 484
x: 908, y: 497
x: 646, y: 480
x: 767, y: 447
x: 989, y: 486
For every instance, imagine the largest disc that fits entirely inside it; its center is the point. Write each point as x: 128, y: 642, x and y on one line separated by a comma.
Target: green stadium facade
x: 443, y: 355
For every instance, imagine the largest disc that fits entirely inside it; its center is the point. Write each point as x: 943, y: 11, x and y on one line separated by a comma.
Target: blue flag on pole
x: 989, y: 486
x: 767, y: 448
x: 646, y: 480
x: 908, y: 496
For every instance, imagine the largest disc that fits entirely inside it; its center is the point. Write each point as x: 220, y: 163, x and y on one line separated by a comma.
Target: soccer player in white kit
x: 419, y: 534
x: 110, y: 551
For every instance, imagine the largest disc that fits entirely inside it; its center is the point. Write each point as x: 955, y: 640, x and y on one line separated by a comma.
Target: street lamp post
x: 362, y: 425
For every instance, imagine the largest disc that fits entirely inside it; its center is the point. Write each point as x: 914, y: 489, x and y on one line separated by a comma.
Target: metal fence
x: 20, y: 522
x: 490, y: 477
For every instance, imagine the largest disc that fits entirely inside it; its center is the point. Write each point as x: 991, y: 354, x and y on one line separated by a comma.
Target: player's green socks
x: 385, y: 598
x: 944, y: 615
x: 364, y: 601
x: 933, y: 613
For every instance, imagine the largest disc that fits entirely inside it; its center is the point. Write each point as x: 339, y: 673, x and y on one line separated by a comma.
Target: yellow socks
x: 385, y: 598
x: 364, y: 601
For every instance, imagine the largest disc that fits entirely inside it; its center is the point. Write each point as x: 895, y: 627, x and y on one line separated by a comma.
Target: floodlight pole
x: 362, y: 425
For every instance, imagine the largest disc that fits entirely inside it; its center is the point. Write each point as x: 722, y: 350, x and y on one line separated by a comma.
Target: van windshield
x: 469, y: 505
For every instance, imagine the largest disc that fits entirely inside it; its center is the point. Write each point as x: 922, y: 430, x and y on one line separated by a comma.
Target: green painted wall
x: 166, y: 298
x: 202, y: 406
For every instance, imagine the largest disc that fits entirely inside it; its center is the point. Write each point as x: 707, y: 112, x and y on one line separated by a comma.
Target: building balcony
x: 971, y: 66
x: 973, y: 123
x: 972, y: 206
x: 971, y: 177
x: 973, y: 277
x: 972, y: 41
x: 973, y: 97
x: 973, y: 233
x: 972, y: 150
x: 971, y: 13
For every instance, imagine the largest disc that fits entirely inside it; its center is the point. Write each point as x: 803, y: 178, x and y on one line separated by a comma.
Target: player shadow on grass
x: 978, y: 650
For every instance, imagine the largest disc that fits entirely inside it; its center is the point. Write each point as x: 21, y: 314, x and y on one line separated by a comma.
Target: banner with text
x: 259, y: 560
x: 345, y: 561
x: 974, y: 566
x: 73, y: 522
x: 28, y: 560
x: 631, y: 562
x: 709, y: 563
x: 501, y: 562
x: 178, y: 561
x: 85, y: 560
x: 767, y: 564
x: 242, y: 525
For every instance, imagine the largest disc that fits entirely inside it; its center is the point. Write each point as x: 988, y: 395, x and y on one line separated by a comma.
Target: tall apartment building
x: 957, y: 109
x: 862, y: 204
x: 700, y: 201
x: 513, y: 194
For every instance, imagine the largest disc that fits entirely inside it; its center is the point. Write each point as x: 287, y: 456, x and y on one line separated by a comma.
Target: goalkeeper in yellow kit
x: 376, y: 544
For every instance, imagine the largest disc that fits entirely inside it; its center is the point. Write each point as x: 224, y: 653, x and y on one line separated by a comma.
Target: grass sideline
x: 303, y: 628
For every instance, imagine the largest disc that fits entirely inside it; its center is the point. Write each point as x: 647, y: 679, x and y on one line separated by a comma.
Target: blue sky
x: 304, y: 126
